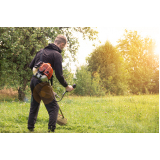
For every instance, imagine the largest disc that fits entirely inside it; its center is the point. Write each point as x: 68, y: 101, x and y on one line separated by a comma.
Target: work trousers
x: 42, y: 91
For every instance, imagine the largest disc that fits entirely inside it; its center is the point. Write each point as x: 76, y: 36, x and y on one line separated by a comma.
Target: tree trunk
x: 21, y: 90
x: 21, y: 94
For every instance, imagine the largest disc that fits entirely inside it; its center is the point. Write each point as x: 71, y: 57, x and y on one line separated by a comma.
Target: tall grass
x: 8, y: 94
x: 111, y: 114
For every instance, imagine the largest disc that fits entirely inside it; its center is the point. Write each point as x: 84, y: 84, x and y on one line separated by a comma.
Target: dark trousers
x: 42, y: 91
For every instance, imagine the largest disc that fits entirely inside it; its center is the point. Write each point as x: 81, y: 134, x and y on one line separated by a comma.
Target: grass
x: 112, y: 114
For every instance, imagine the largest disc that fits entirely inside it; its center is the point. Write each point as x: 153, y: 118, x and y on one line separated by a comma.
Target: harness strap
x: 41, y: 59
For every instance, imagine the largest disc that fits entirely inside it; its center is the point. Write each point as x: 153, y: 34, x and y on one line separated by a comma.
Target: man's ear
x: 63, y: 44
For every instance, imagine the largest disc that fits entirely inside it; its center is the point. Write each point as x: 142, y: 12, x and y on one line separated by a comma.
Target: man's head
x: 60, y: 41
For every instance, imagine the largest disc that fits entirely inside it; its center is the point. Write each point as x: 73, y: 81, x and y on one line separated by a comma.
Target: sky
x: 112, y: 34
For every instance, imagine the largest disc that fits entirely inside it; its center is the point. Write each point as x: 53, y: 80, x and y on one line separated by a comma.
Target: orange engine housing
x: 46, y: 69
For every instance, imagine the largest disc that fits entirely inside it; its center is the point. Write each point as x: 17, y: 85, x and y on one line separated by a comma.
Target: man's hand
x: 69, y: 88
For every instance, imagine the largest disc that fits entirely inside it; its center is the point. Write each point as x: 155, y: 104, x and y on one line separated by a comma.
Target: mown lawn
x: 110, y: 114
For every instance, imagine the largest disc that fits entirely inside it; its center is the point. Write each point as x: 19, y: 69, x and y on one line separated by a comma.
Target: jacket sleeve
x: 58, y: 70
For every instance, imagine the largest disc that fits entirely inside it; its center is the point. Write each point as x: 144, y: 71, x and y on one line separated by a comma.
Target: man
x: 42, y: 90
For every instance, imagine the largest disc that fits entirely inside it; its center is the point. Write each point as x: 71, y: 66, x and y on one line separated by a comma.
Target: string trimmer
x: 61, y: 120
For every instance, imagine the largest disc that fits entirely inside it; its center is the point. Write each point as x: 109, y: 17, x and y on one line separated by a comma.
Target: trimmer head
x: 61, y: 120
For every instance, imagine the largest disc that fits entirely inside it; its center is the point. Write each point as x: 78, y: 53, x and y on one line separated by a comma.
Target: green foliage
x: 107, y: 62
x: 18, y: 46
x: 130, y: 67
x: 141, y: 62
x: 87, y: 84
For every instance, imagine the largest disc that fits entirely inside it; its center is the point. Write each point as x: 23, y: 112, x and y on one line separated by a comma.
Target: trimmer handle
x: 74, y: 86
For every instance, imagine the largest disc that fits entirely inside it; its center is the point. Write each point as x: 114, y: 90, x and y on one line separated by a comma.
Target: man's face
x: 62, y: 46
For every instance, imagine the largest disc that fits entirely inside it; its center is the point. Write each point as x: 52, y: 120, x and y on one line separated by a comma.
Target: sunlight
x: 113, y: 34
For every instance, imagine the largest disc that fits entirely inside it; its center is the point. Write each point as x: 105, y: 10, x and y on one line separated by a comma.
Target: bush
x: 88, y: 84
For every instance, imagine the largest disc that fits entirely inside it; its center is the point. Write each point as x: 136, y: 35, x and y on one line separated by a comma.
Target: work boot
x: 31, y: 129
x: 51, y: 129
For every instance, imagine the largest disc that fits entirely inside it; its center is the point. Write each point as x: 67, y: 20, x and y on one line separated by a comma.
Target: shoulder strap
x: 41, y: 58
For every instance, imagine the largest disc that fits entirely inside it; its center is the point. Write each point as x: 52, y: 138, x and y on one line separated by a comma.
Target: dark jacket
x: 52, y: 55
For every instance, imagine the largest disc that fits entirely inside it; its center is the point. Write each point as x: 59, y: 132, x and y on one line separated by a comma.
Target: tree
x: 107, y: 62
x: 18, y: 46
x: 141, y: 62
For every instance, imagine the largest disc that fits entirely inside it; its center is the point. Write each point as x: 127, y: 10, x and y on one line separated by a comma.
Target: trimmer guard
x: 61, y: 120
